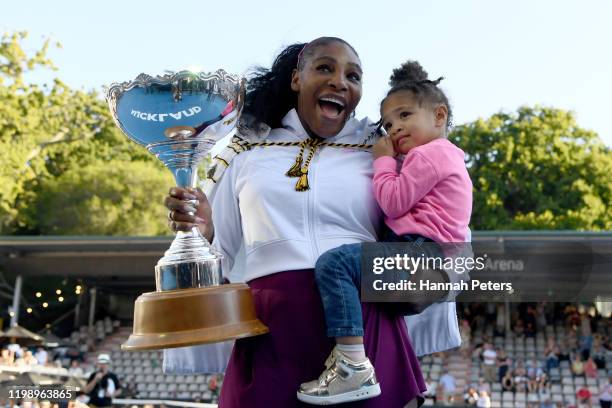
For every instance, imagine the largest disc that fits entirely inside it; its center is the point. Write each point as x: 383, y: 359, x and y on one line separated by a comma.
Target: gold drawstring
x: 302, y: 183
x: 298, y: 169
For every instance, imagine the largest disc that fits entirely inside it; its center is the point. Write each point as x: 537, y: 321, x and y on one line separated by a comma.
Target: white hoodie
x: 256, y: 205
x: 264, y: 226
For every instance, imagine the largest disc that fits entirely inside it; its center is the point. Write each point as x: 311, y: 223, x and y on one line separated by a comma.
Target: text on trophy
x: 159, y: 117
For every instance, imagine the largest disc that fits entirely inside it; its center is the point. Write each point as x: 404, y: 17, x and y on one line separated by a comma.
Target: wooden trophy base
x: 186, y: 317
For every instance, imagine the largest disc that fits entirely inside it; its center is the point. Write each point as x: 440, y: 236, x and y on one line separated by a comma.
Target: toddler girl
x: 429, y: 199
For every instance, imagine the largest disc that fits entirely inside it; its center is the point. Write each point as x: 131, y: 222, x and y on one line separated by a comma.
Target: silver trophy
x: 179, y: 117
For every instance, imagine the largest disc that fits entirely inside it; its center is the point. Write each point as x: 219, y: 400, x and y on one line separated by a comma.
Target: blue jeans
x: 338, y: 276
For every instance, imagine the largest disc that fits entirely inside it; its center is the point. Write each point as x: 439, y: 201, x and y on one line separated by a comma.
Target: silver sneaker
x: 342, y: 381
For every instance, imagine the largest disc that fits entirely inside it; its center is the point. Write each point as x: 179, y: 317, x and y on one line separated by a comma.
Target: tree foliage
x: 64, y: 160
x: 537, y: 169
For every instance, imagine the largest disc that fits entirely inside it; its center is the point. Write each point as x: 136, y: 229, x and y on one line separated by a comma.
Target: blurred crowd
x: 14, y: 355
x: 583, y: 351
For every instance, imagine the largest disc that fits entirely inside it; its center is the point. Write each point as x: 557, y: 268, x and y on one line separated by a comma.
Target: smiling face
x: 409, y: 124
x: 328, y: 87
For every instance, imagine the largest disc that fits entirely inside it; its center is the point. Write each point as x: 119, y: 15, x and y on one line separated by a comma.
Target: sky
x: 495, y: 55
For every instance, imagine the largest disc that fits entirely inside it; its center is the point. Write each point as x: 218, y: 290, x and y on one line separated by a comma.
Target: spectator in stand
x: 503, y: 363
x: 28, y: 359
x: 484, y: 401
x: 572, y: 318
x: 605, y: 394
x: 489, y: 361
x: 543, y: 384
x: 520, y: 377
x: 6, y: 357
x: 583, y: 398
x: 534, y: 370
x: 577, y: 365
x: 75, y: 368
x: 508, y: 382
x: 17, y: 351
x: 470, y: 397
x: 102, y: 385
x: 599, y: 355
x: 551, y: 343
x: 447, y: 386
x: 586, y: 335
x: 532, y: 386
x: 477, y: 350
x: 551, y: 353
x: 590, y: 368
x: 41, y: 356
x: 213, y: 385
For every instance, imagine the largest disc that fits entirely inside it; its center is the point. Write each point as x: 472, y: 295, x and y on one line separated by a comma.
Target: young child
x: 428, y: 200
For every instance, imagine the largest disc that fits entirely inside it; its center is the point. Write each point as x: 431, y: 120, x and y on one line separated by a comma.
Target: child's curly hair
x: 411, y: 76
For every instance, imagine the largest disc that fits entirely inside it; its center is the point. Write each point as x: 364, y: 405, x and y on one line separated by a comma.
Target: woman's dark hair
x: 269, y: 95
x: 411, y: 76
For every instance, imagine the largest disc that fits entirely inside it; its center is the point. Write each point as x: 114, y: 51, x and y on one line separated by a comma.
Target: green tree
x: 537, y: 169
x: 59, y: 149
x: 99, y: 199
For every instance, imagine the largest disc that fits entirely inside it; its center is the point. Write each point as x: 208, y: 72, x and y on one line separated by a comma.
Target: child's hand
x: 384, y: 147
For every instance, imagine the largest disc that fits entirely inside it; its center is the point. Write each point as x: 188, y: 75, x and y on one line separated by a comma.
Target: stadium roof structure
x: 130, y: 261
x: 119, y: 262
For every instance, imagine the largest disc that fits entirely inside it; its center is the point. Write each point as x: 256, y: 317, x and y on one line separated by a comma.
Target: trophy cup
x: 179, y: 117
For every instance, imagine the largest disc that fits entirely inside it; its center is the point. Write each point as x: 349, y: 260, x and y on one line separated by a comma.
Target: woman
x: 308, y: 96
x: 590, y: 368
x: 503, y: 364
x: 551, y: 352
x: 577, y: 365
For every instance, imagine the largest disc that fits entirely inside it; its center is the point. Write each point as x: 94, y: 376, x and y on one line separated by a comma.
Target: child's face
x: 410, y: 125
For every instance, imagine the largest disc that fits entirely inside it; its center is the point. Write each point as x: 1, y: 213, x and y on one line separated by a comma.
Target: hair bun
x: 409, y: 71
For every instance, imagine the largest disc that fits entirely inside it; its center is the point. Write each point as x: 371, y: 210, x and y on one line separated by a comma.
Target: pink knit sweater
x: 431, y: 195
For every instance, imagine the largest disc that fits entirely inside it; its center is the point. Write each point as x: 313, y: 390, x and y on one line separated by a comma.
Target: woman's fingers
x: 188, y: 208
x: 182, y: 193
x: 183, y: 206
x: 204, y: 211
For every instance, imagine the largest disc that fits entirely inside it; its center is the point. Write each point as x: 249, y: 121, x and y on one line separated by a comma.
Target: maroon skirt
x: 266, y: 370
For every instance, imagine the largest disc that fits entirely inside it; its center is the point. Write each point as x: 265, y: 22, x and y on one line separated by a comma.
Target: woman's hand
x: 188, y: 208
x: 384, y: 147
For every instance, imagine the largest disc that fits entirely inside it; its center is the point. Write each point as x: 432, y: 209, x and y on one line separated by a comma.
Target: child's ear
x: 441, y: 115
x: 295, y: 80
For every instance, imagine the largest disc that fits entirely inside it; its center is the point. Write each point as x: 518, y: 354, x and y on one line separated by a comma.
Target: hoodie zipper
x: 310, y: 207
